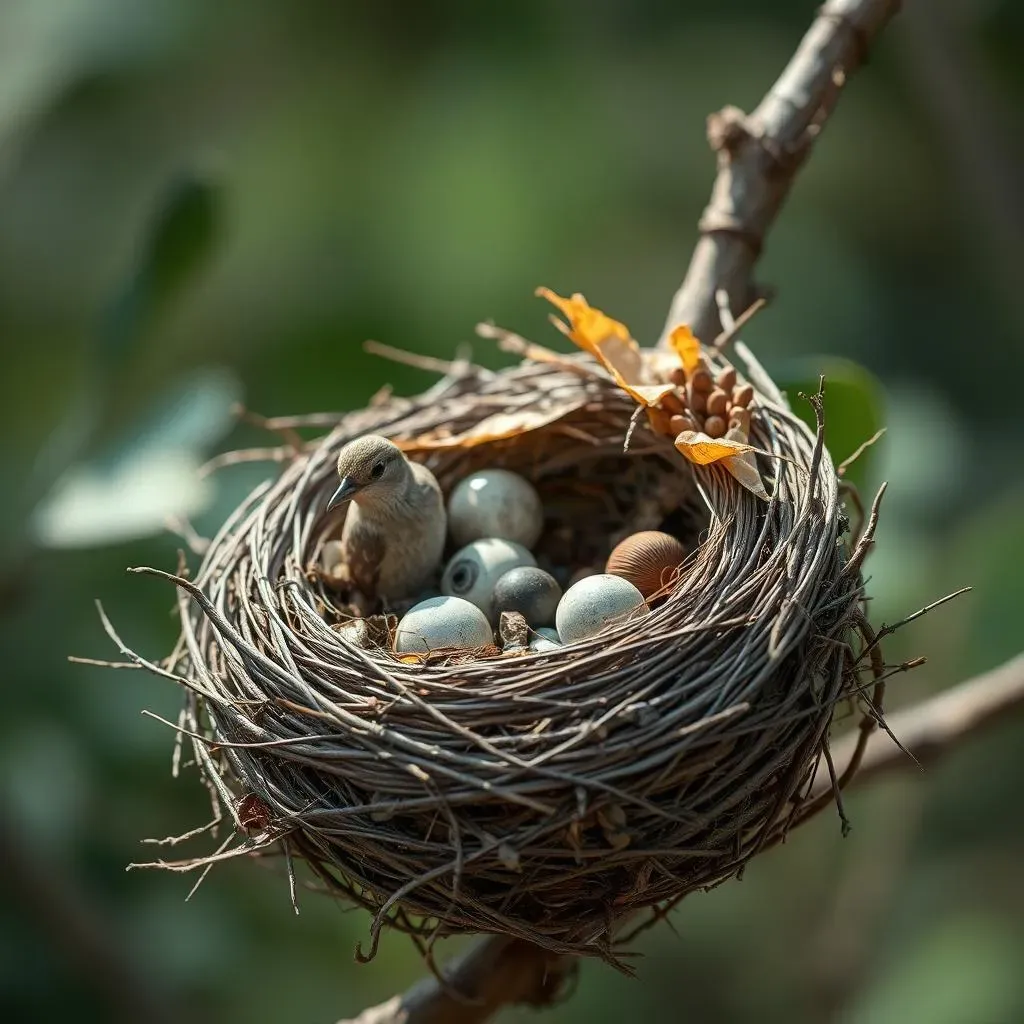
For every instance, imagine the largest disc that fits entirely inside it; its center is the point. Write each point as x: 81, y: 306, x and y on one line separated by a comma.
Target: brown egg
x: 696, y: 400
x: 701, y: 380
x: 648, y: 559
x: 718, y: 402
x: 714, y: 426
x: 672, y: 403
x: 743, y: 395
x: 740, y: 417
x: 681, y: 423
x: 726, y: 380
x: 678, y: 376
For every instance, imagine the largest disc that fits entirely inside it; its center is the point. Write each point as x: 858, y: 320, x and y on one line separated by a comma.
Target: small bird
x: 395, y: 529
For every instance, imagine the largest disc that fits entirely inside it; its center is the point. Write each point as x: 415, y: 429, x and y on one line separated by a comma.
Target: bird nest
x: 547, y: 796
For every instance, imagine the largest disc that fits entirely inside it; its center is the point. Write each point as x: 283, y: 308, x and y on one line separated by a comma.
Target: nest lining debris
x: 550, y: 796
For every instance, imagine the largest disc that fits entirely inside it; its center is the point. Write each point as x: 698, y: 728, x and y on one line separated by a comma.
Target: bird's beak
x: 346, y: 489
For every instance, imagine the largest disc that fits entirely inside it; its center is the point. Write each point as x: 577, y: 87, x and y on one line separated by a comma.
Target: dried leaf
x: 587, y: 327
x: 702, y: 450
x: 686, y: 346
x: 610, y: 342
x: 644, y: 394
x: 744, y: 469
x: 492, y: 428
x: 735, y: 455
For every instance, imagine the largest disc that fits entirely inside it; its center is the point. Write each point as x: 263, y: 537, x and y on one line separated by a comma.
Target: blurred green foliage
x: 401, y: 171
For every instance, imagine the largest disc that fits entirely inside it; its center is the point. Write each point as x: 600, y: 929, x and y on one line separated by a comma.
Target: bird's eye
x: 377, y: 470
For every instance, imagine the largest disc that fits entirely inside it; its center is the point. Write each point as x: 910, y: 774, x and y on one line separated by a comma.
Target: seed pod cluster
x: 712, y: 404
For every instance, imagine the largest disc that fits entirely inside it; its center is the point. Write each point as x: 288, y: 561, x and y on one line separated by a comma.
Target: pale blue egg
x: 442, y: 622
x: 495, y: 503
x: 595, y: 604
x: 474, y: 570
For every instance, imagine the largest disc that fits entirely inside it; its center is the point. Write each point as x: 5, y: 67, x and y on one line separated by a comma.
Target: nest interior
x: 548, y: 796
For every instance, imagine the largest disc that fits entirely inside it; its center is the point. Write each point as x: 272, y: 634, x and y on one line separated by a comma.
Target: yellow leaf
x: 735, y: 456
x: 610, y: 342
x: 588, y: 327
x: 491, y: 428
x: 702, y: 450
x: 686, y: 346
x: 644, y: 394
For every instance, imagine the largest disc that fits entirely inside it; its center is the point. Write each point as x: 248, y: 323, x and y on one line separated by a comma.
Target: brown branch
x: 501, y: 972
x: 933, y: 727
x: 760, y: 154
x: 495, y: 972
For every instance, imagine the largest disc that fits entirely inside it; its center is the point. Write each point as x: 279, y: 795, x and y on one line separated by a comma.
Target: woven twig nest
x: 546, y: 796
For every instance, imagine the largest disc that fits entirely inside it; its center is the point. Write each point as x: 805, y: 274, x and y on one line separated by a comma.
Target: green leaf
x: 131, y: 490
x: 177, y: 246
x: 854, y: 406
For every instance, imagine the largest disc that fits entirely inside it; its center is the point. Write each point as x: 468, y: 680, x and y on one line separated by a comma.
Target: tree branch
x: 499, y: 971
x: 760, y: 154
x: 930, y: 729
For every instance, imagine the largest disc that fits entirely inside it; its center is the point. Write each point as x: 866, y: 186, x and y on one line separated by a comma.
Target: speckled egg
x: 495, y: 503
x: 442, y: 622
x: 530, y: 591
x: 545, y: 640
x: 648, y: 559
x: 595, y: 604
x: 475, y: 569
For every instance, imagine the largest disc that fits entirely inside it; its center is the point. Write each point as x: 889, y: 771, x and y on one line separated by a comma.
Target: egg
x: 441, y: 623
x: 474, y: 570
x: 648, y: 559
x: 355, y: 632
x: 530, y: 591
x: 495, y: 503
x: 545, y: 640
x: 595, y: 604
x: 332, y: 557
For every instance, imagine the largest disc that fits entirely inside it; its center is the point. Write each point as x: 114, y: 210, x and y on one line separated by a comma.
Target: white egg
x: 332, y: 556
x: 495, y: 503
x: 595, y: 604
x: 473, y: 571
x: 442, y: 622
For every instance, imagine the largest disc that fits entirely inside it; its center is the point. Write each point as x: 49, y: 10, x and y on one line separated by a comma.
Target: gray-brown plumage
x: 396, y: 524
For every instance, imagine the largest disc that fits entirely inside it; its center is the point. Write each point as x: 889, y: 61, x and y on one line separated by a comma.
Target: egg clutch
x: 497, y: 593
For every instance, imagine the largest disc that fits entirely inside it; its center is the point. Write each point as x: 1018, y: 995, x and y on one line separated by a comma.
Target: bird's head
x: 371, y: 468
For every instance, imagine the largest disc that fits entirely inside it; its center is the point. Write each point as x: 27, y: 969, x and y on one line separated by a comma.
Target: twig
x: 495, y: 972
x: 500, y: 972
x: 760, y: 154
x: 934, y: 726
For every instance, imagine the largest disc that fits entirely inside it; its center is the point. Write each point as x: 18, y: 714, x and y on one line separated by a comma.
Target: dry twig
x: 759, y: 155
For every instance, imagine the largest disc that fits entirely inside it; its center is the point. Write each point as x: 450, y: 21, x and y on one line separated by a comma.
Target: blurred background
x: 206, y: 203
